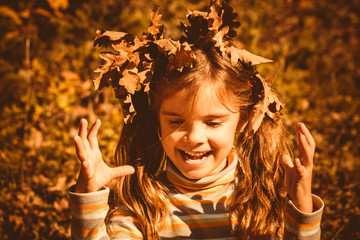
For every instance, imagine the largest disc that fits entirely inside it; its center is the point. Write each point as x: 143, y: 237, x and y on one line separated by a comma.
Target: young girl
x: 202, y: 146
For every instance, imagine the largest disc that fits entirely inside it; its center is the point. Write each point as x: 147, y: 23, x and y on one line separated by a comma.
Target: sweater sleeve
x: 89, y: 211
x: 303, y: 226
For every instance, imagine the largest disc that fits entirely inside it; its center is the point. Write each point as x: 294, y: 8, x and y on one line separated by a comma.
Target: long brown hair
x: 258, y: 200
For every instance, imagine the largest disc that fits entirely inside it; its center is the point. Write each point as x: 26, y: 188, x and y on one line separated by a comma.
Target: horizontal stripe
x: 177, y: 203
x: 204, y: 192
x: 121, y: 215
x: 194, y: 225
x: 203, y: 217
x: 86, y: 232
x: 81, y: 215
x: 302, y: 225
x: 301, y: 233
x: 125, y: 233
x: 90, y: 207
x: 101, y: 235
x: 195, y: 222
x: 198, y: 186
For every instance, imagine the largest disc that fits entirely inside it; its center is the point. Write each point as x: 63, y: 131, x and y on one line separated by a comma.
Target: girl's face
x: 197, y: 136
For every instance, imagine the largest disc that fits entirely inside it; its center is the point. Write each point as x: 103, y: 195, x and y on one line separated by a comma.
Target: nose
x: 195, y: 134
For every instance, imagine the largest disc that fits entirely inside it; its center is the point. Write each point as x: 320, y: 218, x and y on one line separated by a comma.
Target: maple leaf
x: 244, y: 56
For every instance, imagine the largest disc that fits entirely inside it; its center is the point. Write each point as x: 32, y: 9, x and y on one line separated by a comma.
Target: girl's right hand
x: 94, y: 172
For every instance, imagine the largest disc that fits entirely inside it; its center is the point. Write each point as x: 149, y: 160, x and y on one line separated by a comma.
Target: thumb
x: 286, y: 162
x: 122, y: 171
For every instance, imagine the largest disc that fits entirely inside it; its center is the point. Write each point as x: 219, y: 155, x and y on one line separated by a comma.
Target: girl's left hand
x: 299, y: 172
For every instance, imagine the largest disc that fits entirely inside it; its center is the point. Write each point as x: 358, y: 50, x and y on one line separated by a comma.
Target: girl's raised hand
x: 94, y: 173
x: 299, y: 172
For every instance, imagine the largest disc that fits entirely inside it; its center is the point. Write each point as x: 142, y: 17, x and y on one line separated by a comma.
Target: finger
x: 300, y: 145
x: 86, y: 168
x: 83, y: 128
x: 306, y: 149
x: 286, y: 162
x: 309, y: 138
x: 83, y: 133
x: 92, y: 137
x: 122, y: 171
x: 306, y: 153
x: 79, y: 146
x: 299, y: 167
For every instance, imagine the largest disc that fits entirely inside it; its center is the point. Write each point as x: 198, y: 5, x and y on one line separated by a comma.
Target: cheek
x: 223, y: 139
x: 169, y: 139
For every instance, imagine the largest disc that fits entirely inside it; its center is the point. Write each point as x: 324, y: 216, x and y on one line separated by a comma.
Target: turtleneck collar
x: 227, y: 175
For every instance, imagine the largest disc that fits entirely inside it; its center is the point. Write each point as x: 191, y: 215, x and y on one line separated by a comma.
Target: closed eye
x: 214, y: 124
x: 176, y: 123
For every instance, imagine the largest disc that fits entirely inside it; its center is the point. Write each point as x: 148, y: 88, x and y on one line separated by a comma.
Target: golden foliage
x: 46, y: 62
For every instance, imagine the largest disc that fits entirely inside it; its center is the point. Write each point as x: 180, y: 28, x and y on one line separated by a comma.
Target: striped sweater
x: 197, y: 211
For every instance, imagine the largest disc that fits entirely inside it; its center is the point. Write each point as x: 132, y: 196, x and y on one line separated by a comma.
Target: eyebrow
x: 178, y: 114
x: 172, y: 114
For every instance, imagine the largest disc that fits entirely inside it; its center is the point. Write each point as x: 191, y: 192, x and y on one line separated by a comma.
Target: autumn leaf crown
x: 130, y: 66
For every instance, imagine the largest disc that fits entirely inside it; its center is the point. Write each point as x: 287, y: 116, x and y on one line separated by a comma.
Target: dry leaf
x: 155, y: 27
x: 130, y: 81
x: 215, y: 15
x: 244, y: 56
x: 168, y: 46
x: 104, y: 38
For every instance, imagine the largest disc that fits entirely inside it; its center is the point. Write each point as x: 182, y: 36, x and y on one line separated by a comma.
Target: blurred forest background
x: 46, y: 70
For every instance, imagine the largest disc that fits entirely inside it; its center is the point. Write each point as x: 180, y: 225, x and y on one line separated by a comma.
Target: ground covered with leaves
x: 46, y: 70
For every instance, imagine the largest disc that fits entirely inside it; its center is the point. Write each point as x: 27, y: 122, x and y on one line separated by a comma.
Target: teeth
x: 197, y: 154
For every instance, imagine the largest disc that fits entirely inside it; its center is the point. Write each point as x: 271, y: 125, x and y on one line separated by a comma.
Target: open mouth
x: 194, y: 156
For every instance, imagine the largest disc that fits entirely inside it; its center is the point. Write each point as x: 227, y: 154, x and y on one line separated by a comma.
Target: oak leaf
x: 168, y: 46
x: 130, y: 81
x: 123, y: 47
x: 228, y: 19
x: 181, y: 59
x: 215, y: 15
x: 155, y: 27
x: 104, y: 38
